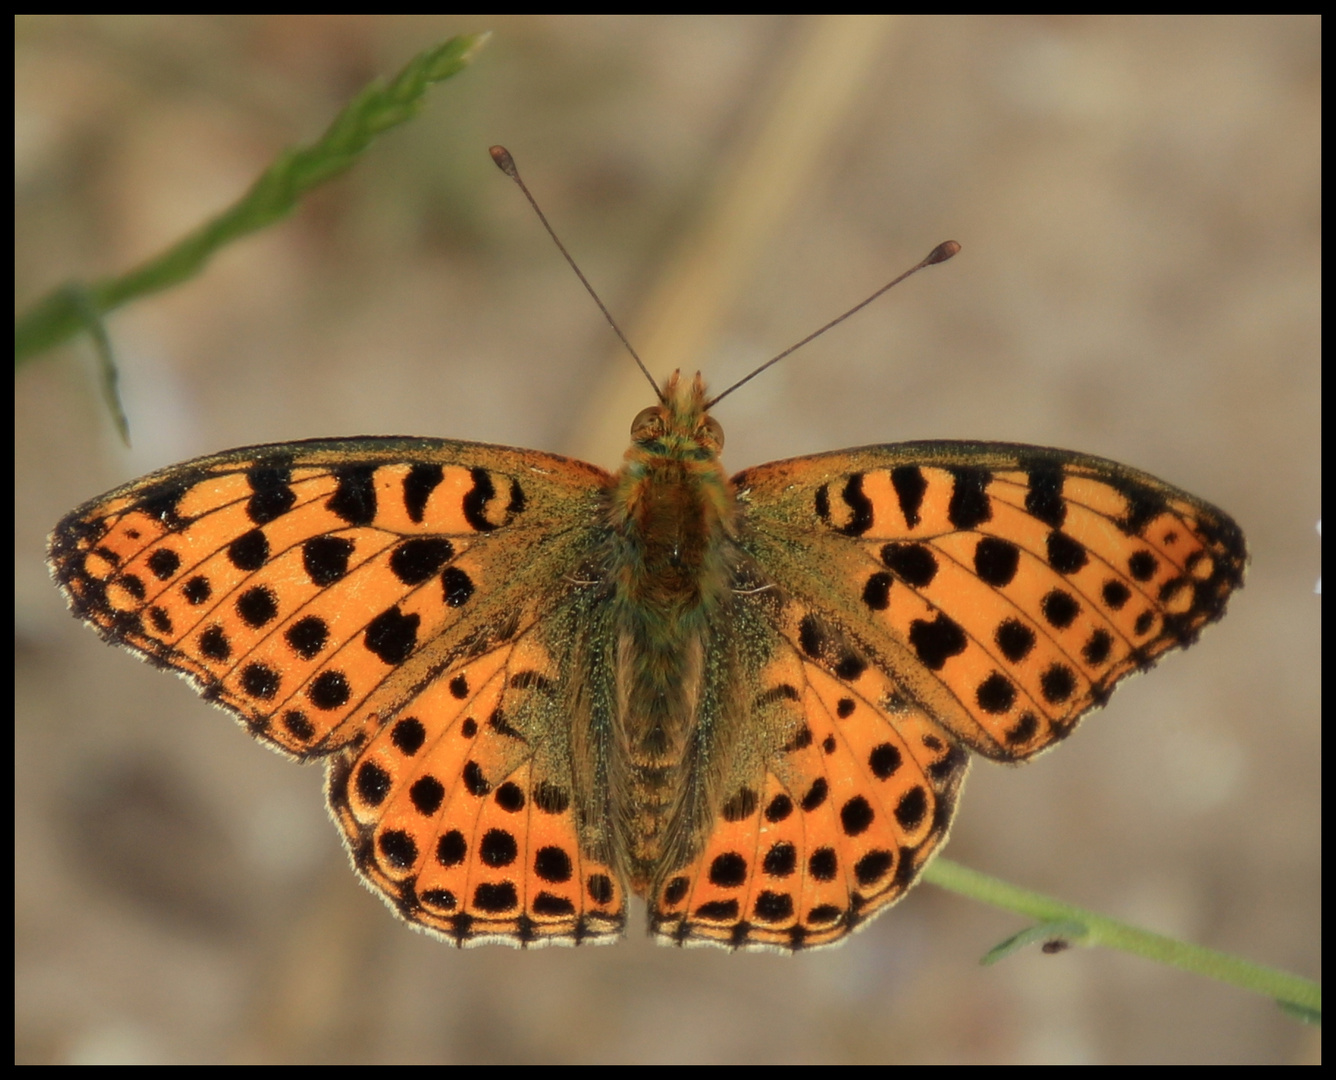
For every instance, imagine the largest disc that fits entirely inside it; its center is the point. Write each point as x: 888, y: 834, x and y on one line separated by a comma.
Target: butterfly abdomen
x: 671, y: 513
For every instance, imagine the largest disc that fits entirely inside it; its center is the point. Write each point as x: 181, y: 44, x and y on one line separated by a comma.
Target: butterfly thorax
x: 672, y: 512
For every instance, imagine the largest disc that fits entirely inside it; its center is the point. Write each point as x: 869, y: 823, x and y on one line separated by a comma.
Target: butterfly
x: 539, y: 687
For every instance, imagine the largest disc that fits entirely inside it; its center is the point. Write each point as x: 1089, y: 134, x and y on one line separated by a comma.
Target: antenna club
x: 939, y: 254
x: 505, y: 162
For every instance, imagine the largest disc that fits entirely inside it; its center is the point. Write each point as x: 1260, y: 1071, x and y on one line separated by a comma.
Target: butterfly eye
x: 711, y: 434
x: 648, y: 424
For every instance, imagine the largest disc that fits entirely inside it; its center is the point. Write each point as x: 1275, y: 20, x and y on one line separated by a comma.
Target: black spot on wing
x: 330, y: 690
x: 720, y: 910
x: 474, y: 781
x: 822, y: 503
x: 213, y: 644
x: 197, y: 590
x: 1115, y: 594
x: 1142, y: 565
x: 307, y: 636
x: 398, y: 848
x: 781, y: 860
x: 969, y: 506
x: 860, y: 507
x: 498, y: 848
x: 937, y: 641
x: 912, y: 808
x: 164, y: 563
x: 1060, y: 608
x: 600, y: 890
x: 1015, y: 639
x: 914, y: 564
x: 372, y: 783
x: 823, y: 864
x: 414, y: 561
x: 1044, y: 498
x: 877, y: 591
x: 249, y: 551
x: 1065, y: 555
x: 298, y: 725
x: 884, y: 761
x: 1057, y: 683
x: 161, y: 501
x: 728, y: 870
x: 325, y: 559
x: 873, y: 866
x: 811, y: 638
x: 676, y: 891
x: 420, y: 482
x: 392, y: 635
x: 1144, y: 505
x: 1024, y: 729
x: 458, y: 586
x: 476, y: 499
x: 910, y: 486
x: 354, y: 500
x: 773, y: 907
x: 452, y: 848
x: 273, y: 497
x: 408, y: 735
x: 257, y: 606
x: 996, y: 561
x: 778, y: 808
x: 1097, y: 649
x: 510, y: 797
x: 495, y: 897
x: 995, y: 694
x: 850, y: 668
x: 856, y: 816
x: 552, y: 864
x: 260, y: 681
x: 816, y: 794
x: 517, y: 501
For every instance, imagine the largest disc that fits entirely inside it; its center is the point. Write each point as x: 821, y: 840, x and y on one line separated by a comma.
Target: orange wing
x: 378, y: 602
x: 1007, y: 588
x: 904, y: 600
x: 836, y: 820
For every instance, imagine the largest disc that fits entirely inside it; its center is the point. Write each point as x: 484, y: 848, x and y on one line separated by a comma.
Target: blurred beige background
x: 1138, y: 203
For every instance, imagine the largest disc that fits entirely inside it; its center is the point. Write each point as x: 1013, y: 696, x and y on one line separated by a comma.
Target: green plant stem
x: 381, y: 106
x: 1063, y: 920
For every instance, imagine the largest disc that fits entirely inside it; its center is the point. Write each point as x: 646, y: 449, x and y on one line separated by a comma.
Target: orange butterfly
x: 538, y: 685
x: 749, y: 701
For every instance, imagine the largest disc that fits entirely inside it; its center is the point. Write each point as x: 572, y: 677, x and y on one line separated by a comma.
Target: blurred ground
x: 1138, y: 201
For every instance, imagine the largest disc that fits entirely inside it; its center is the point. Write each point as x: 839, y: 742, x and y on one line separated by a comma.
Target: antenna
x: 506, y: 164
x: 939, y: 254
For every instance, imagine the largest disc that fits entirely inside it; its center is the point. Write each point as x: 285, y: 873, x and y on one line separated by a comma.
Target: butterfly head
x: 680, y: 426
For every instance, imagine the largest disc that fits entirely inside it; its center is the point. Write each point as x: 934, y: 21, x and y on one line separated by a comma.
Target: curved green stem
x: 1066, y: 923
x: 72, y: 307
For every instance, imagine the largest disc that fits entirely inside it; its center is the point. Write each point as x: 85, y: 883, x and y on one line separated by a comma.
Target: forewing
x: 1006, y: 588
